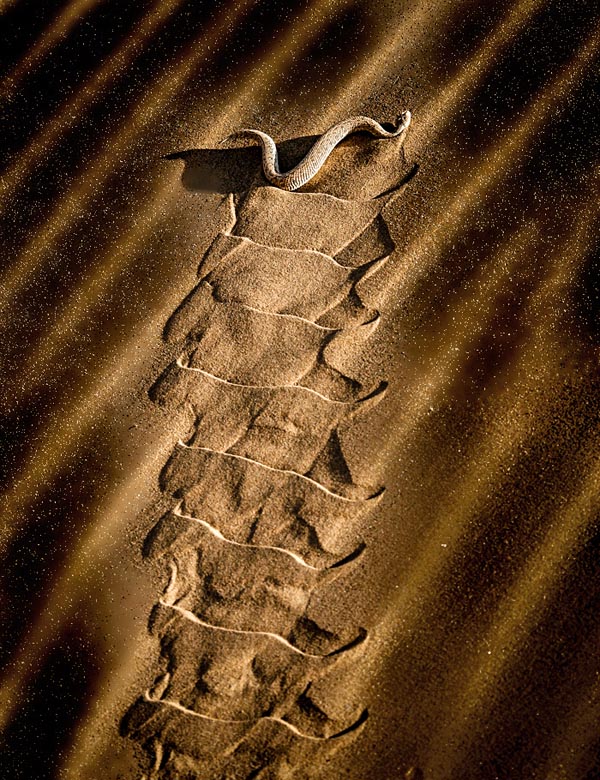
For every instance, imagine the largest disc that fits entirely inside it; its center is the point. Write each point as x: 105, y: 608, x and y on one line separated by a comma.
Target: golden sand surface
x: 414, y: 376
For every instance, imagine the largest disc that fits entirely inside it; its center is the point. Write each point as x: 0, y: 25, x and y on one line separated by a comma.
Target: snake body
x: 312, y: 162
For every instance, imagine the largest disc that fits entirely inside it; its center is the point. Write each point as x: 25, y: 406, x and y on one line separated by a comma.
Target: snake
x: 315, y: 158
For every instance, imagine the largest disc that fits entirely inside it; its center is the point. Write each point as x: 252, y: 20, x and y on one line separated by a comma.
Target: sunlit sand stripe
x: 70, y: 209
x: 91, y: 90
x: 496, y: 161
x: 557, y: 286
x: 522, y: 608
x: 57, y: 30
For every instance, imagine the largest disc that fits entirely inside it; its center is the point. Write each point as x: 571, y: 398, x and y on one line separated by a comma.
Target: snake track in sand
x: 263, y: 508
x: 314, y: 160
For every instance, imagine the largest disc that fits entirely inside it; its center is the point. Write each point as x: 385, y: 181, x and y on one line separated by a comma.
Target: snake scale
x: 312, y: 162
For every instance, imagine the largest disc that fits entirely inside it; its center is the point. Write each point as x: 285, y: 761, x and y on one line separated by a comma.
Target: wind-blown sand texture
x: 207, y: 451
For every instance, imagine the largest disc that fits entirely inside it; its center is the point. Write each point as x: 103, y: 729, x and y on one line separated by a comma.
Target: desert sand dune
x: 299, y: 484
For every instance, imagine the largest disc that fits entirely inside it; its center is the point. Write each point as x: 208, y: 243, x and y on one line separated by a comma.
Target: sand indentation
x: 251, y: 347
x: 249, y: 502
x: 283, y: 427
x: 266, y: 509
x: 245, y: 587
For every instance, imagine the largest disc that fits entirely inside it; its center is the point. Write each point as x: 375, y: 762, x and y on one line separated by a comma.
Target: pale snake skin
x: 312, y: 162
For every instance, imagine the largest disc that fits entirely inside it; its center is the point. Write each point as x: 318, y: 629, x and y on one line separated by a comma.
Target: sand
x: 300, y: 485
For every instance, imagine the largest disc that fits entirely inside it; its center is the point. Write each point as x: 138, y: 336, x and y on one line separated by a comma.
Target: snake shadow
x: 359, y: 163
